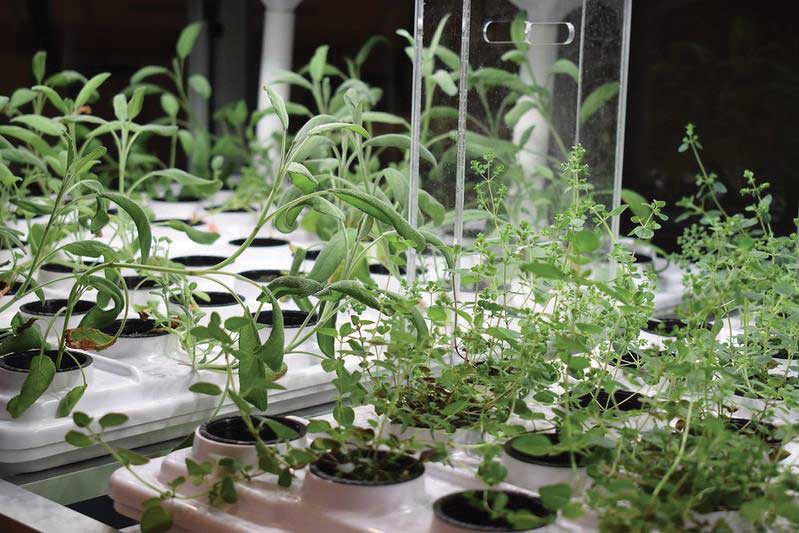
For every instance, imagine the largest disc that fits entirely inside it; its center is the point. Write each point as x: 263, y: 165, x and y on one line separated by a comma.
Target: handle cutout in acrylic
x: 535, y: 33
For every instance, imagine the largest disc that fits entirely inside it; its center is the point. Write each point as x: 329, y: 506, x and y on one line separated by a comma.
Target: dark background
x: 728, y: 66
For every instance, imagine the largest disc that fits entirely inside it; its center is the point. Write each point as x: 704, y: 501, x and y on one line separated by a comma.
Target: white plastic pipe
x: 276, y: 51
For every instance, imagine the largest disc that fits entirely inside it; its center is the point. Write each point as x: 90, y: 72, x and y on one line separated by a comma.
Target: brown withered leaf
x: 88, y: 339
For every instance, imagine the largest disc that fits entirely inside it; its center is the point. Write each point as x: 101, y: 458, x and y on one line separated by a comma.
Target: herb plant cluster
x: 539, y: 343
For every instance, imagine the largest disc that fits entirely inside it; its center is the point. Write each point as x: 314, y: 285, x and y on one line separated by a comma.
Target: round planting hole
x: 291, y: 318
x: 178, y: 200
x: 381, y: 270
x: 60, y: 268
x: 7, y: 290
x: 21, y: 361
x: 199, y: 260
x: 51, y: 307
x: 215, y: 299
x: 192, y: 222
x: 233, y: 430
x: 521, y: 448
x: 139, y: 283
x: 262, y: 276
x: 311, y: 255
x: 641, y: 259
x: 620, y: 399
x: 135, y: 328
x: 668, y: 326
x: 261, y: 242
x: 467, y: 510
x: 382, y: 468
x: 222, y: 209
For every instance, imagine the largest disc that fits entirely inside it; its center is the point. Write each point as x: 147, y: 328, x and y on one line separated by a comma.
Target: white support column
x: 276, y: 52
x: 541, y: 60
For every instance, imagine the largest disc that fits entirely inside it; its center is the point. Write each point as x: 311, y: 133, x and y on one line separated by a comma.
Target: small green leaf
x: 112, y: 419
x: 135, y: 212
x: 279, y: 105
x: 206, y: 388
x: 136, y: 103
x: 69, y: 401
x: 39, y: 61
x: 555, y: 496
x: 200, y: 237
x: 282, y: 431
x: 402, y: 142
x: 40, y: 375
x: 155, y: 520
x: 129, y: 457
x: 533, y: 444
x: 170, y: 105
x: 598, y: 98
x: 317, y: 64
x: 444, y: 81
x: 44, y: 125
x: 78, y: 439
x: 81, y: 420
x: 200, y: 84
x: 120, y: 107
x: 565, y: 66
x: 543, y: 270
x: 585, y: 241
x: 344, y: 415
x: 187, y: 39
x: 90, y: 88
x: 228, y: 492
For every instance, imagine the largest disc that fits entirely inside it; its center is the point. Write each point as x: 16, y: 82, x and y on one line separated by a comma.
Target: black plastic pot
x: 192, y: 222
x: 261, y: 242
x: 462, y: 509
x: 12, y: 290
x: 220, y: 209
x: 557, y: 460
x: 51, y: 306
x: 65, y: 269
x: 668, y: 326
x: 311, y: 255
x: 139, y: 283
x: 627, y: 360
x: 784, y: 354
x: 21, y: 361
x: 381, y: 270
x: 327, y: 468
x: 762, y: 430
x: 291, y: 318
x: 135, y: 328
x: 179, y: 199
x: 621, y: 399
x: 233, y: 430
x: 198, y: 261
x: 263, y: 276
x: 215, y: 299
x: 631, y: 359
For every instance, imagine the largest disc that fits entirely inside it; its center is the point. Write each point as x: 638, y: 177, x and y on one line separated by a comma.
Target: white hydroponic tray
x: 149, y: 384
x: 311, y: 504
x: 152, y: 389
